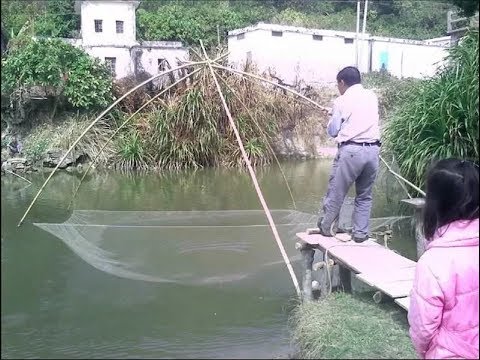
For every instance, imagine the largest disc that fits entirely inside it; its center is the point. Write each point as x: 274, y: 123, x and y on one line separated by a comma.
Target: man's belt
x: 350, y: 142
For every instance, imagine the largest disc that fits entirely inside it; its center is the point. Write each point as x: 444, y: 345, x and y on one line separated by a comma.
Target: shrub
x: 439, y: 117
x: 61, y: 70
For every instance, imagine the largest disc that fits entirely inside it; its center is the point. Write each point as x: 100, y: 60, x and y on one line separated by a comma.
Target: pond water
x: 55, y: 304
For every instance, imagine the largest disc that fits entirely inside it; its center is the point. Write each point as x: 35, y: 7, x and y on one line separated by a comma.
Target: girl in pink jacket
x: 443, y: 313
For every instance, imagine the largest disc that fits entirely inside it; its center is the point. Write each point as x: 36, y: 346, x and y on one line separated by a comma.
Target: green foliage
x: 408, y: 19
x: 189, y: 23
x: 55, y: 18
x: 439, y: 117
x: 468, y: 7
x: 36, y: 150
x: 84, y: 82
x: 132, y: 153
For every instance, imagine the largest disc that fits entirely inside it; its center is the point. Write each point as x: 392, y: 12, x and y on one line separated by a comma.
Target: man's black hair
x: 350, y: 76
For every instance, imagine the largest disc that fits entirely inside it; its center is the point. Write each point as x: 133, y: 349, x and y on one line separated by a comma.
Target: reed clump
x: 188, y: 127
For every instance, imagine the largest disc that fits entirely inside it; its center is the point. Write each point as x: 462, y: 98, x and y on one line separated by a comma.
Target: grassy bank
x: 345, y: 326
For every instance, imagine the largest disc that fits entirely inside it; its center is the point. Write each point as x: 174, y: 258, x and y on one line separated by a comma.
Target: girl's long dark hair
x: 452, y: 194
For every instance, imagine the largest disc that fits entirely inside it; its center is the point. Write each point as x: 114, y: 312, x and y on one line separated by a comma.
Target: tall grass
x: 63, y: 132
x: 439, y: 116
x: 189, y: 129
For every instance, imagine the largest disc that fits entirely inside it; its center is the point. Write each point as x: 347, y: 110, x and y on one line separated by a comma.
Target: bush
x: 439, y: 117
x: 61, y: 69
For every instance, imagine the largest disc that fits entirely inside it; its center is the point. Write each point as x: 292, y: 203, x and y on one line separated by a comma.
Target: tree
x: 55, y: 18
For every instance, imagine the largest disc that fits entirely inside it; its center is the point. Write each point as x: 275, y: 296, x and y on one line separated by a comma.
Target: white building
x: 108, y: 32
x: 316, y: 56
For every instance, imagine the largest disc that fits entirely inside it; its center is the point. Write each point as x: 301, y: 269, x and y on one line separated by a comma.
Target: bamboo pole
x: 315, y: 104
x: 121, y: 127
x: 265, y: 137
x: 254, y: 178
x: 21, y: 177
x: 402, y: 178
x: 93, y: 123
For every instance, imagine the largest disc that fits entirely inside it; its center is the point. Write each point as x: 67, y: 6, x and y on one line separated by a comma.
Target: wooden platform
x: 377, y: 266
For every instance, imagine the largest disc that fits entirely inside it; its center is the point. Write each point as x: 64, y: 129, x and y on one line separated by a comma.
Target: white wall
x: 150, y: 56
x: 124, y: 64
x: 294, y: 52
x: 318, y: 61
x: 407, y: 59
x: 122, y: 46
x: 109, y: 11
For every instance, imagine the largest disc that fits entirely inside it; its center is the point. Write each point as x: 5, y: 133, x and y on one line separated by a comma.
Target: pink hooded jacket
x: 443, y: 314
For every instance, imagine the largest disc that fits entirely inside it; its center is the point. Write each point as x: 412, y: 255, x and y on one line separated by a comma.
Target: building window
x: 317, y: 37
x: 119, y: 26
x: 348, y: 40
x: 241, y: 36
x: 111, y: 63
x: 98, y: 25
x: 162, y: 65
x: 277, y: 33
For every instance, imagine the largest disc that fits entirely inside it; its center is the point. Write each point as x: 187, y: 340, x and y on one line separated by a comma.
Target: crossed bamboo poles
x: 211, y: 64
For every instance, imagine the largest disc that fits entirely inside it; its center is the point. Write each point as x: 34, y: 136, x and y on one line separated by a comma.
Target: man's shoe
x: 359, y: 239
x: 321, y: 230
x: 324, y: 233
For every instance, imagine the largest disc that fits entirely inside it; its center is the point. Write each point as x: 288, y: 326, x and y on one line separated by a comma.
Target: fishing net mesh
x: 188, y: 247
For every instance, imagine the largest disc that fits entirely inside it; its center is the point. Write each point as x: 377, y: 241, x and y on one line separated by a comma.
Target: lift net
x: 188, y: 247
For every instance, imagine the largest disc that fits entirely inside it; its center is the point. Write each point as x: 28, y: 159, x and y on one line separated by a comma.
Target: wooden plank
x: 396, y: 289
x: 377, y: 266
x: 366, y: 257
x: 403, y: 302
x: 398, y: 274
x: 326, y: 242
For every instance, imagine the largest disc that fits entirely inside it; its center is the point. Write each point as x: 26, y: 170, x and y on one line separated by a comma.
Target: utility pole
x: 365, y: 11
x: 357, y: 31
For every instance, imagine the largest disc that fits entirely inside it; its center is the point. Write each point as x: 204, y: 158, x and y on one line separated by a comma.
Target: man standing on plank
x: 354, y: 123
